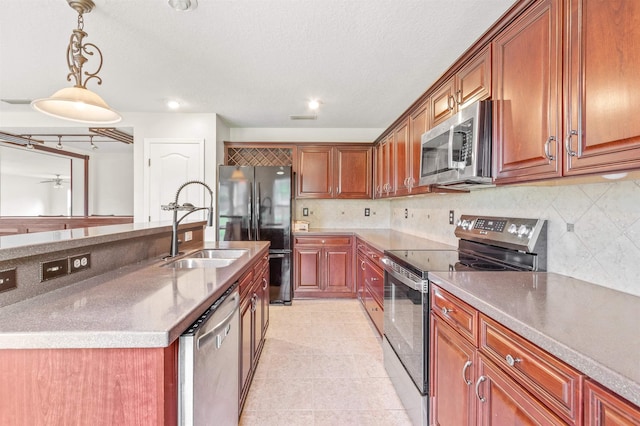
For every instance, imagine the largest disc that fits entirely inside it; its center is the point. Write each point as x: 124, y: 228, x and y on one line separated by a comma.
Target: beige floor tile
x: 322, y: 365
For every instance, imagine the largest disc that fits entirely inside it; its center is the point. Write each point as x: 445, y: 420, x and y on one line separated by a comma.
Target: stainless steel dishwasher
x: 208, y: 365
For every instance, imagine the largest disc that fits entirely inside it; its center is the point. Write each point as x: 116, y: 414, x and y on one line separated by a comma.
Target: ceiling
x: 254, y: 63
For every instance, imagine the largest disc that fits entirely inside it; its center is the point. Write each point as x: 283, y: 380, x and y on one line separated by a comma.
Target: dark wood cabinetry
x: 603, y: 408
x: 555, y: 118
x: 323, y: 266
x: 254, y: 320
x: 330, y: 171
x: 527, y: 95
x: 370, y: 282
x: 484, y: 374
x: 602, y: 131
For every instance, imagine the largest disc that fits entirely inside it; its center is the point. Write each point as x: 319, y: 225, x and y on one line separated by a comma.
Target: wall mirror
x: 71, y: 172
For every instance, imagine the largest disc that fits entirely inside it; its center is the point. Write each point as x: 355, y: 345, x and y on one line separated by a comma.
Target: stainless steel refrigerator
x: 255, y: 204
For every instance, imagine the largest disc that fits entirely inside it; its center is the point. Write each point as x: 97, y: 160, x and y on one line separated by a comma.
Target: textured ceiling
x: 252, y: 62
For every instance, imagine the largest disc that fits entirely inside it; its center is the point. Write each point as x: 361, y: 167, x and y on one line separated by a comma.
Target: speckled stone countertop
x: 590, y: 327
x: 141, y: 305
x: 383, y: 239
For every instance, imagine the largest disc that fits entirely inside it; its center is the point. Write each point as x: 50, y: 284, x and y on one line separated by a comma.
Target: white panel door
x: 170, y: 163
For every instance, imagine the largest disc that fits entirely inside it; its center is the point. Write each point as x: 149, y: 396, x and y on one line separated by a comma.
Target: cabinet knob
x: 511, y: 360
x: 446, y: 310
x: 264, y: 286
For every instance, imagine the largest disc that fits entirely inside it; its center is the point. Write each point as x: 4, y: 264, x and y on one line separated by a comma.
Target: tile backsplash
x: 593, y: 229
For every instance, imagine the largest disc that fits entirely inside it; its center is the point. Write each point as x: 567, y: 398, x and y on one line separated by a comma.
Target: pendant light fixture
x: 77, y: 103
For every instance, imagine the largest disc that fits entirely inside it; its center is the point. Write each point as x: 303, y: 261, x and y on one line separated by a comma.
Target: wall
x: 111, y: 176
x: 303, y: 135
x: 344, y: 213
x: 603, y: 248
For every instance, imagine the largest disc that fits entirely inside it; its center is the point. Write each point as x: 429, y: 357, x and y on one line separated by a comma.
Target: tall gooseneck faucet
x: 189, y: 208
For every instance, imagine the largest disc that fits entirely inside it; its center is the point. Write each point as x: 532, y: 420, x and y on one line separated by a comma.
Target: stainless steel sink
x: 193, y: 262
x: 218, y: 254
x: 208, y: 258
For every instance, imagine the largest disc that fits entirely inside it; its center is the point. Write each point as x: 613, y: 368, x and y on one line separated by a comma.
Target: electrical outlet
x: 451, y: 217
x: 406, y: 213
x: 8, y: 279
x: 79, y: 262
x: 305, y: 211
x: 188, y: 236
x: 367, y: 212
x: 570, y: 227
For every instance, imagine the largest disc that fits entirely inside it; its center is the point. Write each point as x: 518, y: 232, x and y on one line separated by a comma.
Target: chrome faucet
x: 189, y: 208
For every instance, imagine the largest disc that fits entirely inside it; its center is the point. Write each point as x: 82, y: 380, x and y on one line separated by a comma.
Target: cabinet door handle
x: 459, y: 96
x: 264, y: 286
x: 362, y: 265
x: 480, y: 380
x: 547, y: 153
x: 464, y: 373
x: 445, y: 311
x: 511, y: 360
x: 451, y: 102
x: 571, y: 152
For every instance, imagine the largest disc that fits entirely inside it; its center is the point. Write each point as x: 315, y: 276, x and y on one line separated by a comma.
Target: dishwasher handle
x: 222, y: 329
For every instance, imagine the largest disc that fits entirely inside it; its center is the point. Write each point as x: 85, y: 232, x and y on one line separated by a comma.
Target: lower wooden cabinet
x: 323, y: 266
x: 603, y: 408
x: 484, y: 374
x: 254, y: 320
x: 370, y: 282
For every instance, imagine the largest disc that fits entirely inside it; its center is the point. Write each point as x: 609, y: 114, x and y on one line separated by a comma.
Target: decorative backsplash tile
x: 603, y: 247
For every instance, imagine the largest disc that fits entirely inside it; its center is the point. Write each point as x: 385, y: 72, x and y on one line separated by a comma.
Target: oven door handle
x: 421, y: 285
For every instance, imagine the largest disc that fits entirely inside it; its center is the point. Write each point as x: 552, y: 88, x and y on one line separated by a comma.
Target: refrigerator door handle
x: 257, y: 210
x: 250, y: 218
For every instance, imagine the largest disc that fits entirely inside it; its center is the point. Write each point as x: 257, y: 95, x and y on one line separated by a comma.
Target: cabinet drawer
x: 245, y: 283
x: 546, y: 377
x: 323, y: 241
x: 604, y: 408
x: 456, y: 313
x: 374, y: 310
x: 374, y: 280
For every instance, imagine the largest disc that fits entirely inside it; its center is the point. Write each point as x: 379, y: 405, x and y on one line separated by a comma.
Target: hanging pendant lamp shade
x: 78, y: 103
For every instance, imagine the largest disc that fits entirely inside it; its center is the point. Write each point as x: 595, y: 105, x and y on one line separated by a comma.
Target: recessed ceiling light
x: 173, y: 104
x: 183, y: 5
x: 314, y: 104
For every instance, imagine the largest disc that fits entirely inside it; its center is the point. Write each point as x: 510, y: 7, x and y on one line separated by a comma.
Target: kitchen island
x: 99, y: 346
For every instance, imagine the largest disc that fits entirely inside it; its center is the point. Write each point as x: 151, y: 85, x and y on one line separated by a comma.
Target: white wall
x: 111, y: 176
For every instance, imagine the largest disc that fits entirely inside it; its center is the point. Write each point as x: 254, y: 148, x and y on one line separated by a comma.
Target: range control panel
x: 517, y: 233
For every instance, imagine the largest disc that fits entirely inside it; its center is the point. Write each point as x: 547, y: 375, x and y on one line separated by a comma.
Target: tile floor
x: 322, y: 365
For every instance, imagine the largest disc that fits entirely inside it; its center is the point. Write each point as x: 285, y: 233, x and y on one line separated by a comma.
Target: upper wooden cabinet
x: 526, y: 94
x: 537, y: 134
x: 385, y: 181
x: 471, y: 83
x: 602, y: 130
x: 330, y: 171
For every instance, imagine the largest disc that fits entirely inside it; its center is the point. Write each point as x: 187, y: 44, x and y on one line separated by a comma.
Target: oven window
x: 406, y: 329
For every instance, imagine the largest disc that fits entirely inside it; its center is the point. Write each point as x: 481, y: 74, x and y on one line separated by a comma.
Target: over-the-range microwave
x: 457, y: 152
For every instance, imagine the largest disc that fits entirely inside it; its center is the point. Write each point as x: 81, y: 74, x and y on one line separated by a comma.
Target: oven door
x: 406, y: 325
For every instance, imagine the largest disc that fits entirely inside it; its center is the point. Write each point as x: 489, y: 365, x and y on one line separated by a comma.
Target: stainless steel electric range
x: 485, y: 244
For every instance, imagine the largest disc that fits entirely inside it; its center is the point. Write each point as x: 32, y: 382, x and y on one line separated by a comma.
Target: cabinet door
x: 387, y: 166
x: 246, y: 349
x: 378, y: 181
x: 353, y: 172
x: 603, y: 408
x: 307, y: 272
x: 264, y: 311
x: 473, y: 81
x: 526, y: 94
x: 419, y: 123
x: 338, y: 269
x: 360, y: 274
x: 602, y: 130
x: 315, y: 172
x: 501, y: 401
x: 453, y: 364
x: 443, y: 102
x: 401, y: 158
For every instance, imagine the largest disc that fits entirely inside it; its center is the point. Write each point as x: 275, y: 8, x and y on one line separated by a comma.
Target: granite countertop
x: 590, y: 327
x: 140, y: 305
x: 383, y: 239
